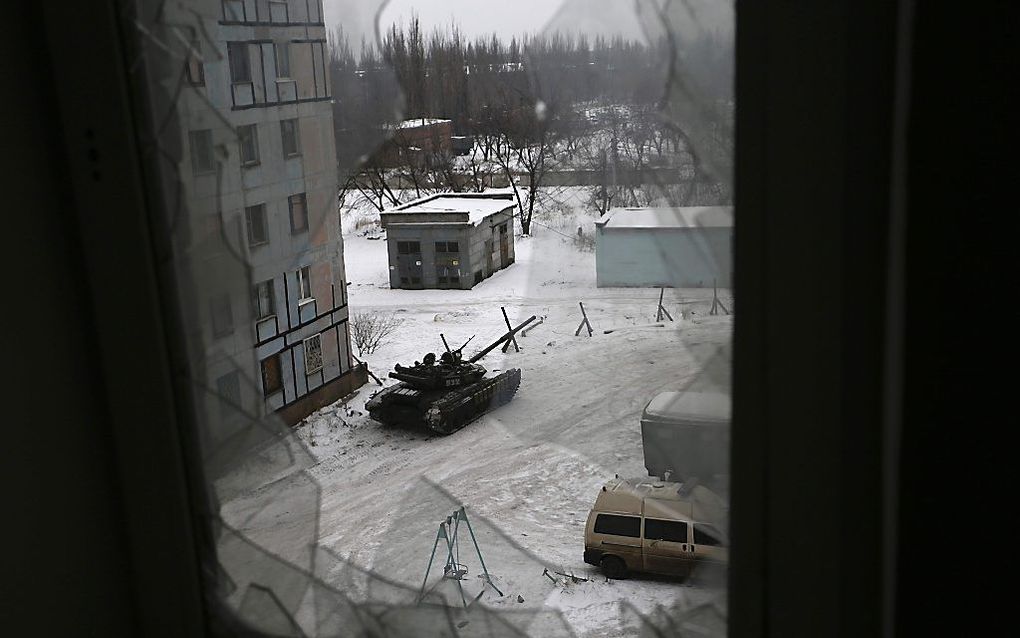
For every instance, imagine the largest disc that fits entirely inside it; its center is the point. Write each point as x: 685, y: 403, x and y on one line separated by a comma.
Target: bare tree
x: 370, y: 330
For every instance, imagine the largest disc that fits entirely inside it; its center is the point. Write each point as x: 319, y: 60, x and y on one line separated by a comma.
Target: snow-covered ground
x: 527, y: 472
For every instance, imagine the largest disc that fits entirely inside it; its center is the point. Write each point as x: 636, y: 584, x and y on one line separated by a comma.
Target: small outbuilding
x: 450, y: 240
x: 684, y: 247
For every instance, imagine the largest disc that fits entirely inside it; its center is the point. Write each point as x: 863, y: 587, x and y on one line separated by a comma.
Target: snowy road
x: 529, y: 471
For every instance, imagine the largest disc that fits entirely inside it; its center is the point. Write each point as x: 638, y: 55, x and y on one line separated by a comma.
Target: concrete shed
x: 685, y: 247
x: 450, y: 240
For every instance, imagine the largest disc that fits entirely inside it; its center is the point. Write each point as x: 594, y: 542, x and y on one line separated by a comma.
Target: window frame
x: 193, y: 136
x: 304, y: 280
x: 243, y: 134
x: 316, y: 338
x: 273, y: 359
x: 261, y: 208
x: 295, y: 135
x: 239, y: 59
x: 269, y: 286
x: 303, y: 198
x: 278, y: 47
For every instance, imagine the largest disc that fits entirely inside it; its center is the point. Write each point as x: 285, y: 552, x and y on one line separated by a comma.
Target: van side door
x: 710, y: 544
x: 619, y: 535
x: 666, y: 547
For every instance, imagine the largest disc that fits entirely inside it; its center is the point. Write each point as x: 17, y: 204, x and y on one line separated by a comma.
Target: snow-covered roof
x: 477, y: 207
x: 679, y: 217
x: 421, y: 121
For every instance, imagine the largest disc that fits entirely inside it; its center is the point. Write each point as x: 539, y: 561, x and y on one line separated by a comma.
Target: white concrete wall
x: 672, y: 257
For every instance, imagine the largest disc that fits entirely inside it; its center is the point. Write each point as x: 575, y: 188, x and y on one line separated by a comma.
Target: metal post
x: 441, y: 532
x: 513, y: 339
x: 474, y: 540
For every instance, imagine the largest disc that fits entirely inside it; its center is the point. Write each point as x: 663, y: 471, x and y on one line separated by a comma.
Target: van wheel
x: 614, y: 568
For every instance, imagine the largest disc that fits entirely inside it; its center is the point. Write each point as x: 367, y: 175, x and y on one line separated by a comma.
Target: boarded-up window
x: 255, y: 216
x: 313, y: 354
x: 272, y: 375
x: 408, y: 247
x: 298, y: 213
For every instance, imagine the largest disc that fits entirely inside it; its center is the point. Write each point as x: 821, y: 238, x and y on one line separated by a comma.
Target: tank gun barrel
x: 496, y: 343
x: 400, y: 376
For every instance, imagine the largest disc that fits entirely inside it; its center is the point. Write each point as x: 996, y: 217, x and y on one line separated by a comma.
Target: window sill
x: 259, y: 244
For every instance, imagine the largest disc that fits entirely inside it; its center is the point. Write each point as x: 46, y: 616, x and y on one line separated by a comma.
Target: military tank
x: 447, y: 393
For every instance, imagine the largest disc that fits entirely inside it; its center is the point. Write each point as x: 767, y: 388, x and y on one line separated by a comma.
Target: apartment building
x: 259, y: 179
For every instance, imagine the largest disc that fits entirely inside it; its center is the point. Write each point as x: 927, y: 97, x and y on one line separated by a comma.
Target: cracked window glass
x: 456, y: 283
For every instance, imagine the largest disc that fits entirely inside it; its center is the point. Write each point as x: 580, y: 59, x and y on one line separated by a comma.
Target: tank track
x: 455, y: 410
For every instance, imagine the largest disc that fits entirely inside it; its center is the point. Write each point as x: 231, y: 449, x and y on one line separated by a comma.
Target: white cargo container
x: 686, y: 436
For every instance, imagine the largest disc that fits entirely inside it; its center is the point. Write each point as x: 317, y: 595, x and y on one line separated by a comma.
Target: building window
x: 298, y: 213
x: 248, y: 141
x: 415, y: 280
x: 233, y: 10
x: 447, y: 247
x: 256, y: 218
x: 618, y: 525
x: 502, y: 229
x: 289, y: 133
x: 408, y: 247
x: 222, y: 315
x: 202, y: 160
x: 278, y: 12
x: 240, y: 62
x: 272, y: 375
x: 405, y: 280
x: 313, y: 354
x: 673, y: 531
x: 228, y: 388
x: 304, y: 277
x: 194, y: 68
x: 282, y: 50
x: 265, y: 302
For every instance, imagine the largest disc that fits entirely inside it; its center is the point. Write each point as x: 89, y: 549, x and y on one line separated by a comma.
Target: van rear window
x: 656, y: 530
x: 618, y: 525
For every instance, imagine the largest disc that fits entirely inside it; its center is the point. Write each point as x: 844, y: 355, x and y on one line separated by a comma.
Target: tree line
x: 529, y: 103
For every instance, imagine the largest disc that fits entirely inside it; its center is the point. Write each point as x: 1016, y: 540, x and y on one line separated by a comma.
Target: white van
x: 659, y: 527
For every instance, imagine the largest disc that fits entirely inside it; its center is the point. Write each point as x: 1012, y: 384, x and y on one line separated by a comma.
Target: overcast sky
x: 482, y: 17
